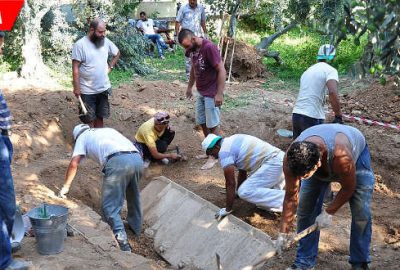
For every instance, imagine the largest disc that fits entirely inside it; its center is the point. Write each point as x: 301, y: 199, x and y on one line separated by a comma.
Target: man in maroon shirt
x: 209, y: 73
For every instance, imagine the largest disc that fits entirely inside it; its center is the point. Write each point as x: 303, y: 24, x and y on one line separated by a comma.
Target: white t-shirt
x: 99, y: 143
x: 93, y: 71
x: 147, y: 26
x: 245, y: 152
x: 313, y: 90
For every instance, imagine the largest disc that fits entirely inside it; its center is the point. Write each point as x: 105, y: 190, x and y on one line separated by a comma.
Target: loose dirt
x: 246, y: 64
x: 43, y: 143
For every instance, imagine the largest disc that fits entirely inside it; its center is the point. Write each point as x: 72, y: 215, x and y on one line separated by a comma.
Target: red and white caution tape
x: 370, y: 122
x: 361, y: 120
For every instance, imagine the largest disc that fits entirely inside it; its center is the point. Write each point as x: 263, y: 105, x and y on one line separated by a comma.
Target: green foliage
x: 298, y: 51
x: 12, y: 53
x: 57, y: 39
x: 379, y: 20
x: 132, y: 46
x: 258, y: 19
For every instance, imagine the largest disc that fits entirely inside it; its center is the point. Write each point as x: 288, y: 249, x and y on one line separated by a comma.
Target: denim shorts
x: 97, y: 105
x: 206, y: 112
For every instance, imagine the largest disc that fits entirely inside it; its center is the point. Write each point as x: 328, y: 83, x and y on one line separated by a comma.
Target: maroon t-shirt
x: 204, y: 62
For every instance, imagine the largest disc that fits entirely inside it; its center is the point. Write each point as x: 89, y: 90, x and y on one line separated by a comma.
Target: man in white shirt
x: 122, y: 168
x: 146, y: 25
x: 315, y: 82
x: 260, y: 178
x: 90, y: 68
x: 191, y: 16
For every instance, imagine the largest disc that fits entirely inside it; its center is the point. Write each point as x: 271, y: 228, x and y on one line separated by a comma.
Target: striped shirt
x: 245, y: 152
x: 5, y: 115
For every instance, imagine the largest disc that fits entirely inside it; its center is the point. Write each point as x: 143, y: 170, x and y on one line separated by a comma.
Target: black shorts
x: 97, y: 106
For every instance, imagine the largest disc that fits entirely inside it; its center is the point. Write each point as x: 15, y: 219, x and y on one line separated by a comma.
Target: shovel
x: 292, y: 241
x: 83, y: 116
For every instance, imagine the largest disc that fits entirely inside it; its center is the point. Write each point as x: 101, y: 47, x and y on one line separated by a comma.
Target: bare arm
x: 177, y: 27
x: 114, y: 61
x: 203, y: 26
x: 334, y: 96
x: 157, y: 155
x: 221, y: 77
x: 229, y: 173
x: 191, y: 83
x: 344, y: 166
x: 75, y: 77
x: 291, y: 199
x: 71, y: 171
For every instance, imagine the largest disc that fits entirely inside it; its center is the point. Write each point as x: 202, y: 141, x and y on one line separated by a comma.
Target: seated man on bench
x: 146, y: 26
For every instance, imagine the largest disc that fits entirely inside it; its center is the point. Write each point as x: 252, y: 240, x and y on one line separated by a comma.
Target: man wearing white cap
x: 260, y: 179
x: 316, y: 81
x: 122, y: 168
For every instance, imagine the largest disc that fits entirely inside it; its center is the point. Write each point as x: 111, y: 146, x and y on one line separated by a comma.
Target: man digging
x: 122, y: 168
x: 322, y: 154
x: 209, y: 73
x: 260, y: 179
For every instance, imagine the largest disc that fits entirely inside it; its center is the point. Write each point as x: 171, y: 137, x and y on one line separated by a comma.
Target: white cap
x: 79, y: 129
x: 326, y: 52
x: 210, y: 141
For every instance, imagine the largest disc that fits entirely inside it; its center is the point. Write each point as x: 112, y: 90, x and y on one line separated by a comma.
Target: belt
x: 118, y: 154
x: 5, y: 132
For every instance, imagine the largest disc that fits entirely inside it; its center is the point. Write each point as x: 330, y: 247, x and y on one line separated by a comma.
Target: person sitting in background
x: 153, y: 138
x: 146, y: 26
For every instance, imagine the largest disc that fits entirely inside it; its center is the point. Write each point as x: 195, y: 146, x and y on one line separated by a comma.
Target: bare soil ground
x: 43, y: 142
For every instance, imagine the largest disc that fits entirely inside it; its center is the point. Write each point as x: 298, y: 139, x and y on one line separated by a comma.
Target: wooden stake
x: 230, y: 66
x: 226, y: 49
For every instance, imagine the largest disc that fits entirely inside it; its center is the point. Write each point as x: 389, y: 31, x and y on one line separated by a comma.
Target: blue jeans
x: 311, y: 199
x: 121, y: 179
x: 301, y: 122
x: 7, y: 201
x: 159, y: 41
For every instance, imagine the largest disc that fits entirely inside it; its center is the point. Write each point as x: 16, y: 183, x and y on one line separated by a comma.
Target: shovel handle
x: 303, y: 233
x: 82, y: 105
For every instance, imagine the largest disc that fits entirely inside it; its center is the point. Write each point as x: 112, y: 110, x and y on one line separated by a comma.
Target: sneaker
x: 162, y: 57
x: 210, y: 163
x: 123, y: 243
x: 146, y: 163
x: 15, y: 246
x: 171, y: 50
x: 165, y: 161
x: 295, y: 267
x: 362, y: 266
x: 19, y: 265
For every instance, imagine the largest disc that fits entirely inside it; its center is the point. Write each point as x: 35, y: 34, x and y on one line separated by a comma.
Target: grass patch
x: 243, y: 100
x: 170, y: 69
x: 298, y: 49
x: 118, y: 77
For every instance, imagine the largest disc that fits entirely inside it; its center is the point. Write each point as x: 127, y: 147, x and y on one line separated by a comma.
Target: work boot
x: 19, y: 265
x: 361, y: 266
x: 123, y: 243
x: 295, y: 267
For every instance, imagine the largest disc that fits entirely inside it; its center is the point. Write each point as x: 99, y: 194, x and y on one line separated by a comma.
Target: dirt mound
x: 247, y: 63
x: 377, y: 102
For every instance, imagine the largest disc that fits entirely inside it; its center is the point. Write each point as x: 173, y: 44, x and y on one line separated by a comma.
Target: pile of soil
x: 247, y: 63
x: 377, y: 102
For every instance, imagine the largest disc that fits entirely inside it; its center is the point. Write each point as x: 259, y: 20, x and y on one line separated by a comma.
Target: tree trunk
x: 33, y: 66
x: 267, y: 41
x: 233, y: 20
